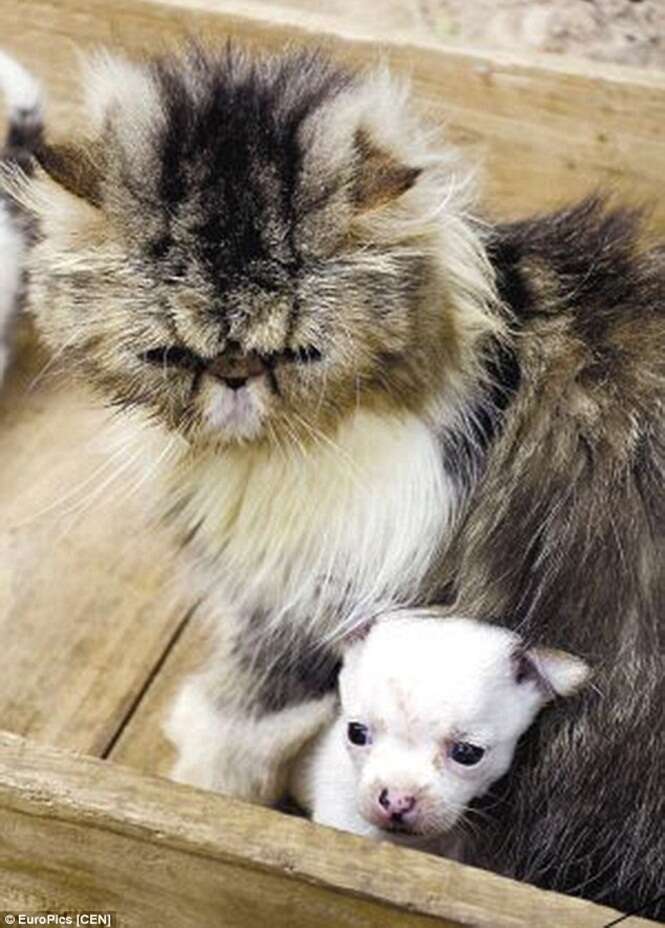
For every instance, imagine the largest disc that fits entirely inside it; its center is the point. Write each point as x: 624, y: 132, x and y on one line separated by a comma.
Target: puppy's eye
x: 307, y: 354
x: 172, y: 356
x: 466, y: 754
x: 357, y: 733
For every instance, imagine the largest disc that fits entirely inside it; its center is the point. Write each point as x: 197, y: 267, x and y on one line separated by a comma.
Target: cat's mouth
x: 237, y: 410
x: 234, y: 390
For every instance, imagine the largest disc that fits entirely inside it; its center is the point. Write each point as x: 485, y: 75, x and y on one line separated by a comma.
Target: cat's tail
x: 25, y: 112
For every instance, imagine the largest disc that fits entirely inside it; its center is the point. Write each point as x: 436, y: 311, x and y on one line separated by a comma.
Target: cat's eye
x: 466, y: 754
x: 357, y: 733
x: 172, y: 356
x: 306, y: 354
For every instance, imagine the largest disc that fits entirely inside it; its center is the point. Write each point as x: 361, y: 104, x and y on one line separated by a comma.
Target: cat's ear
x: 380, y: 177
x: 358, y: 633
x: 555, y: 673
x: 73, y: 167
x: 121, y: 99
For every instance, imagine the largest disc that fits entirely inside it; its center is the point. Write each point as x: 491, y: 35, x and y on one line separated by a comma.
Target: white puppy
x: 431, y: 712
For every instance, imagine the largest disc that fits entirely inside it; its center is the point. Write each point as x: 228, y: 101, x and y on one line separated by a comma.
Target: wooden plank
x: 384, y: 20
x: 86, y: 610
x: 141, y: 743
x: 85, y: 834
x: 546, y: 132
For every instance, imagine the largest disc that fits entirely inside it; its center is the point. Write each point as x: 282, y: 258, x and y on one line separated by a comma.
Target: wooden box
x: 92, y: 640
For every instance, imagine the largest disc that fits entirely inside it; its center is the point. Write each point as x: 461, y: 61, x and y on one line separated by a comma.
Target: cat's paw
x: 192, y: 726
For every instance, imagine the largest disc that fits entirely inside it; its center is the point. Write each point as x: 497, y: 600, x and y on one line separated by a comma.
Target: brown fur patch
x: 381, y: 178
x: 73, y: 168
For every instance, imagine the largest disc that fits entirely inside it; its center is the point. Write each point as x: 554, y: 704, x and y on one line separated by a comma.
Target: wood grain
x: 80, y: 833
x: 544, y: 131
x: 86, y: 609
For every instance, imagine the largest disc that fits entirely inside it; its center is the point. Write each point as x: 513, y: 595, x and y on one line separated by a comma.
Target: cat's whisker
x: 82, y: 506
x: 70, y: 494
x: 276, y: 441
x: 147, y: 474
x: 52, y: 360
x: 353, y: 470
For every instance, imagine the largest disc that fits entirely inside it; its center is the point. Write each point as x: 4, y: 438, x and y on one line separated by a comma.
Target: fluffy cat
x: 24, y: 118
x: 358, y: 393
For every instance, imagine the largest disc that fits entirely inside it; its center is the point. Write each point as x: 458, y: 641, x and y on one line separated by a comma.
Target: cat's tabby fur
x: 449, y: 411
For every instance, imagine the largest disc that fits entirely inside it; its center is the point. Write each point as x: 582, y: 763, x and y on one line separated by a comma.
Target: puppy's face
x: 434, y: 709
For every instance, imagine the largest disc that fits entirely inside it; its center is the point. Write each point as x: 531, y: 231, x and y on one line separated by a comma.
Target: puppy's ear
x: 380, y: 177
x: 555, y: 673
x: 75, y: 168
x: 358, y: 633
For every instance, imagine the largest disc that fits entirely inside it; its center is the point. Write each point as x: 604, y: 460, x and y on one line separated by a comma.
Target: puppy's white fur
x: 420, y: 684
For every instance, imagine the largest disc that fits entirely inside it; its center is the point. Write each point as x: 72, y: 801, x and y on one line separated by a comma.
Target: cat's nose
x: 235, y: 383
x: 234, y: 368
x: 396, y: 805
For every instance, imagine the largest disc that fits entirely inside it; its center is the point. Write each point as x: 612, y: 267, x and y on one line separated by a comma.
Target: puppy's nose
x: 396, y: 805
x: 235, y: 367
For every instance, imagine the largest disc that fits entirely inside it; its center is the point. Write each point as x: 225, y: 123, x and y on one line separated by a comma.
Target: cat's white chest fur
x: 327, y: 536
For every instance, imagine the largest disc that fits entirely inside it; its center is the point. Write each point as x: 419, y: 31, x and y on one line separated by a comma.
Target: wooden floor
x: 92, y: 634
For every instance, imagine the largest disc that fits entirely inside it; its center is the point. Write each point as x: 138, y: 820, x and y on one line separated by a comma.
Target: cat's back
x: 564, y: 539
x: 587, y: 296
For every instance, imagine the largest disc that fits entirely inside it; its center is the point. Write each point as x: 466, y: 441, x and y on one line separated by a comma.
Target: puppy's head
x: 434, y: 708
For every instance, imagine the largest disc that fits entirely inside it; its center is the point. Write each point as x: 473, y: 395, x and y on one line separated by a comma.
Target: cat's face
x: 242, y: 249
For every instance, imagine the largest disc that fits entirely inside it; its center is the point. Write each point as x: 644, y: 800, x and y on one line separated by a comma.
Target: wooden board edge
x: 56, y: 786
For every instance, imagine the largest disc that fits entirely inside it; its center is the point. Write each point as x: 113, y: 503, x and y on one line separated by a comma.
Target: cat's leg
x: 230, y: 749
x: 238, y: 724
